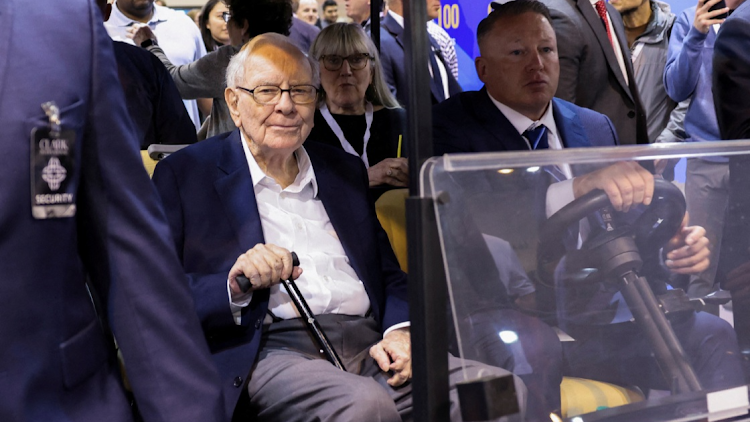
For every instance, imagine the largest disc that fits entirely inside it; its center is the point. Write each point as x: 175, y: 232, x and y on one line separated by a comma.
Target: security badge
x: 53, y: 192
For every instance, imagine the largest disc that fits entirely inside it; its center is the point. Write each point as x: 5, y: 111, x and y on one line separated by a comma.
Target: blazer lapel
x: 394, y: 28
x: 569, y: 126
x: 331, y: 189
x: 496, y: 124
x: 235, y: 189
x: 595, y: 22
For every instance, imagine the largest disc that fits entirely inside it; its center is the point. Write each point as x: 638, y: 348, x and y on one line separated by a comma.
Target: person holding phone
x: 687, y: 75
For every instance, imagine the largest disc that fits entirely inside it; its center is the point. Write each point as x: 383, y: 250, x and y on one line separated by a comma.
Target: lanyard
x: 340, y: 133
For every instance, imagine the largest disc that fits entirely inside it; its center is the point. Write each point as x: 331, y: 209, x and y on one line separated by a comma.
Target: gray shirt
x: 204, y: 78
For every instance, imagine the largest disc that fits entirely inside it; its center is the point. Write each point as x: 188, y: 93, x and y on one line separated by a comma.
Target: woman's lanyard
x: 340, y: 133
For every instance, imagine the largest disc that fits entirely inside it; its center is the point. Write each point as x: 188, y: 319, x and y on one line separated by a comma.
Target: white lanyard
x: 340, y: 133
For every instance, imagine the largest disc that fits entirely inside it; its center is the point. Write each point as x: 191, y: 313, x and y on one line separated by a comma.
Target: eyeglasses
x: 334, y: 62
x: 270, y: 95
x: 226, y: 16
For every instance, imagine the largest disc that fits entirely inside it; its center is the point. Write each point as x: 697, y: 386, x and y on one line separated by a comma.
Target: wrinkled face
x: 216, y: 23
x: 433, y: 9
x: 345, y: 88
x: 331, y: 14
x: 519, y: 64
x: 308, y: 11
x: 358, y: 10
x: 278, y: 128
x: 625, y: 6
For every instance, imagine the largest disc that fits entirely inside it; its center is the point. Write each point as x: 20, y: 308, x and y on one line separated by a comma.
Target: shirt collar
x: 398, y: 18
x: 119, y: 19
x: 522, y: 123
x: 305, y: 176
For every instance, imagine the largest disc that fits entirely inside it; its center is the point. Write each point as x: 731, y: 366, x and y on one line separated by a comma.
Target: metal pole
x: 427, y: 289
x: 375, y: 7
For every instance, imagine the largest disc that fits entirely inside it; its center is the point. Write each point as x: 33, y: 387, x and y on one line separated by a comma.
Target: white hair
x: 235, y: 75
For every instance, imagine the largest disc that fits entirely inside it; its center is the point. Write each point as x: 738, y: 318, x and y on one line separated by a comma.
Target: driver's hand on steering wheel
x: 625, y: 183
x: 687, y: 251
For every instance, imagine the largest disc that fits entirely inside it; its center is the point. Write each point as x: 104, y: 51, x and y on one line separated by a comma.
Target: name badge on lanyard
x: 53, y: 192
x: 340, y: 133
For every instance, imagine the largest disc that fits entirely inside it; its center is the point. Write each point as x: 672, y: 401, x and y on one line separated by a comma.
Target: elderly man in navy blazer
x: 84, y: 213
x: 516, y: 111
x: 239, y: 203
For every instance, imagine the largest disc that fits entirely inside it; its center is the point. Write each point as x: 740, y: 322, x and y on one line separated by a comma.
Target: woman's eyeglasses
x: 334, y: 62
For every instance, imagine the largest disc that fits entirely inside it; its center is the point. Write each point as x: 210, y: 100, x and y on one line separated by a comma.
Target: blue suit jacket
x: 470, y: 122
x: 207, y: 193
x: 393, y: 61
x: 56, y: 362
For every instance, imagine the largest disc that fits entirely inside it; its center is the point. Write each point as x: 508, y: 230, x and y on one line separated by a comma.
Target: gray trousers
x: 706, y: 193
x: 292, y: 382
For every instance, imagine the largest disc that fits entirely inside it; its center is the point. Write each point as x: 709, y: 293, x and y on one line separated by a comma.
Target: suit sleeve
x: 447, y: 133
x: 569, y: 50
x: 731, y: 79
x: 171, y: 121
x: 203, y: 78
x: 124, y: 243
x: 682, y: 70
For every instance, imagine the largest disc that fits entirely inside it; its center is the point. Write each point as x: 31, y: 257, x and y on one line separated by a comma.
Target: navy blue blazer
x: 470, y: 122
x: 207, y: 193
x: 393, y: 61
x: 56, y: 362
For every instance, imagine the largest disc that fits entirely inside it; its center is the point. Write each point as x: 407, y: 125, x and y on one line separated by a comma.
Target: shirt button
x: 258, y: 323
x: 237, y: 382
x: 631, y: 114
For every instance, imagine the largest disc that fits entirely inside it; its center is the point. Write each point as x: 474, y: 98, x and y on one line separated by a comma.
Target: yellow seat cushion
x: 148, y: 162
x: 581, y: 396
x: 391, y: 210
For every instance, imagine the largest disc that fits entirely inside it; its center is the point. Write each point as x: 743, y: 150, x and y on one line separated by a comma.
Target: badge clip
x: 53, y: 113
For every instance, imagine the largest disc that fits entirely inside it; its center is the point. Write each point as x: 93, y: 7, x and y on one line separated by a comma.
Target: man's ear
x: 245, y: 28
x: 232, y: 99
x: 481, y: 67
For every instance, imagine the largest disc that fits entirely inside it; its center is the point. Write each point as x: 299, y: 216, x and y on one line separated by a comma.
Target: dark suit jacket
x: 470, y: 122
x: 154, y: 104
x: 303, y: 34
x: 589, y: 73
x: 731, y: 75
x: 393, y: 61
x: 56, y: 362
x: 207, y: 192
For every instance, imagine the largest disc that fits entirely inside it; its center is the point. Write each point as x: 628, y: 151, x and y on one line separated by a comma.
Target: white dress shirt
x: 295, y: 219
x: 558, y: 194
x: 615, y: 42
x: 177, y: 35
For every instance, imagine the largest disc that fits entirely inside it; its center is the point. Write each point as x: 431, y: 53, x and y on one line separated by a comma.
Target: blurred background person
x: 206, y: 77
x: 358, y: 11
x: 687, y: 76
x: 194, y: 14
x: 180, y: 39
x: 213, y: 25
x: 330, y: 13
x: 357, y: 111
x: 303, y: 33
x: 308, y: 11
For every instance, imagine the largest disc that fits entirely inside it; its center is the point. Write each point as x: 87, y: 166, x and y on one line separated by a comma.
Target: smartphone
x: 720, y: 5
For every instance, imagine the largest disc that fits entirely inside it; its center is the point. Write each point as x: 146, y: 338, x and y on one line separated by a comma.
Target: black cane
x: 307, y: 316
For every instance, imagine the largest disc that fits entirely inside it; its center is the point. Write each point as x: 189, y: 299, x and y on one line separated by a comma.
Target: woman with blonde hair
x: 356, y: 110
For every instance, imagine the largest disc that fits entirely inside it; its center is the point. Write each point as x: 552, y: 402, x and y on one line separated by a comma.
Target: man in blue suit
x: 516, y: 111
x: 239, y: 203
x: 85, y: 212
x: 442, y: 82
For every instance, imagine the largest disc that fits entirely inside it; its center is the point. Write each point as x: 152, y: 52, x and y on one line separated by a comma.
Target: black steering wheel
x: 652, y: 229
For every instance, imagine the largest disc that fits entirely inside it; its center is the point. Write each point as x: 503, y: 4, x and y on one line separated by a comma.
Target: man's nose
x: 285, y: 104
